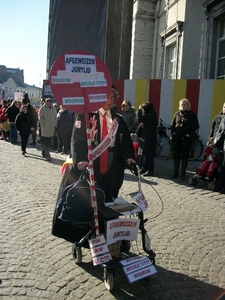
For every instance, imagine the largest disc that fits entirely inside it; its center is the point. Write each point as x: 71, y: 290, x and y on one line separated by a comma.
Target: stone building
x: 151, y: 39
x: 12, y: 81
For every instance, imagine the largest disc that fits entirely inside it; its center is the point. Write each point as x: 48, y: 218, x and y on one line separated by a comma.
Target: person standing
x: 63, y: 130
x: 147, y: 117
x: 216, y: 128
x: 183, y: 126
x: 12, y: 111
x: 47, y: 118
x: 34, y: 117
x: 110, y: 165
x: 129, y: 115
x: 24, y: 126
x: 221, y: 129
x: 4, y: 121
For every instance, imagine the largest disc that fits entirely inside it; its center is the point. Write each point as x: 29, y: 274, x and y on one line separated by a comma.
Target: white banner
x: 122, y: 229
x: 137, y: 268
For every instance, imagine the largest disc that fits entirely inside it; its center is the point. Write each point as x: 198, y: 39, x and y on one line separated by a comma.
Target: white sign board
x: 99, y: 250
x: 139, y: 198
x: 122, y: 229
x: 137, y: 268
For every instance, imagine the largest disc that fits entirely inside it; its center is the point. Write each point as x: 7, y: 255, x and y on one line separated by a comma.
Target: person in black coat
x: 34, y: 119
x: 63, y: 130
x: 183, y: 126
x: 120, y: 156
x: 12, y: 112
x: 24, y: 126
x: 147, y: 116
x: 120, y: 150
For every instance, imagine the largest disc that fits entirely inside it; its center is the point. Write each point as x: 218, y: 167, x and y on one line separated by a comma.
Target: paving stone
x: 186, y: 225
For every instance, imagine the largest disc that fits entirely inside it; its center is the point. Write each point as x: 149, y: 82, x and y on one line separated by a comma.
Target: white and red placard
x: 99, y: 250
x: 137, y: 267
x: 80, y: 81
x: 122, y: 229
x: 141, y: 201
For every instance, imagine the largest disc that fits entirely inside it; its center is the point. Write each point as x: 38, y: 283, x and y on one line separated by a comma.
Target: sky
x: 24, y: 33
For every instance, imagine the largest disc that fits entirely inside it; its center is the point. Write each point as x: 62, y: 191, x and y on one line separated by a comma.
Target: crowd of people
x: 64, y: 131
x: 50, y: 125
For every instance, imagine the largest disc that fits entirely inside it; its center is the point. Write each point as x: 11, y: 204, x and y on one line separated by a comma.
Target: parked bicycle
x: 162, y: 136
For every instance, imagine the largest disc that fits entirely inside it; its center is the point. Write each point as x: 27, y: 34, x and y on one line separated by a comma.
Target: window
x: 171, y: 61
x: 220, y: 72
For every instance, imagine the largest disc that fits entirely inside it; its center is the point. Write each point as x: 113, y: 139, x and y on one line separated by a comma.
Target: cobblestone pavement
x: 186, y: 225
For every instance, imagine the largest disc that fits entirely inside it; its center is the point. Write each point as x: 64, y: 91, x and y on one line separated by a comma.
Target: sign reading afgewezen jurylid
x: 137, y: 267
x: 141, y: 201
x: 122, y: 229
x: 80, y: 81
x: 99, y: 250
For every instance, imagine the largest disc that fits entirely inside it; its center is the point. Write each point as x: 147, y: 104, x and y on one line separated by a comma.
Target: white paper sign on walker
x: 137, y: 267
x: 80, y: 81
x: 99, y: 250
x: 122, y: 229
x: 139, y: 198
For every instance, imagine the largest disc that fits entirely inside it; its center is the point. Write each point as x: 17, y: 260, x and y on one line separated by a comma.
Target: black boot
x: 183, y: 168
x: 176, y: 163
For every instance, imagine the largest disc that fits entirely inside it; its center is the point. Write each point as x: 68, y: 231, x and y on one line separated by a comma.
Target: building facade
x: 178, y: 39
x: 12, y: 81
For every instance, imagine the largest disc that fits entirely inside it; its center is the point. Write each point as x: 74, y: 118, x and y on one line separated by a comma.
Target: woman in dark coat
x: 147, y: 116
x: 129, y: 115
x: 63, y: 130
x: 24, y: 126
x: 183, y: 126
x: 12, y: 112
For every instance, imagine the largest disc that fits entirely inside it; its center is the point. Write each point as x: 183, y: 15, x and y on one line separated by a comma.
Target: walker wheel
x: 108, y: 280
x: 211, y: 185
x: 77, y: 254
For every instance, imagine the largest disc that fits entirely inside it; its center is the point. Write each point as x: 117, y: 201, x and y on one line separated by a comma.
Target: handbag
x: 219, y: 139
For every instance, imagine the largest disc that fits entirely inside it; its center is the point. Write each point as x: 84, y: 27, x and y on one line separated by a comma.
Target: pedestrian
x: 146, y: 116
x: 24, y: 126
x: 129, y: 115
x: 63, y: 130
x: 214, y: 128
x: 4, y: 121
x: 183, y: 126
x: 47, y: 118
x: 34, y: 117
x: 221, y: 149
x: 12, y: 111
x: 110, y: 165
x: 25, y: 99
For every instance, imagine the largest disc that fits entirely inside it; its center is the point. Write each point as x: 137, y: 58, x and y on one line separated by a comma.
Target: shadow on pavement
x: 165, y: 284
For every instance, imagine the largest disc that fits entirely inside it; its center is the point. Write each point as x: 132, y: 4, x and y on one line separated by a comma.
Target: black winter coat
x: 183, y: 123
x: 12, y: 112
x: 129, y: 117
x: 63, y: 121
x: 216, y: 124
x: 123, y: 144
x: 150, y: 122
x: 23, y: 123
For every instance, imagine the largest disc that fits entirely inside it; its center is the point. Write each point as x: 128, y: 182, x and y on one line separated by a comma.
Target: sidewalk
x: 186, y: 225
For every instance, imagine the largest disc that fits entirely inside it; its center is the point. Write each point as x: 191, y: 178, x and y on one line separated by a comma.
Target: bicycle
x: 162, y: 136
